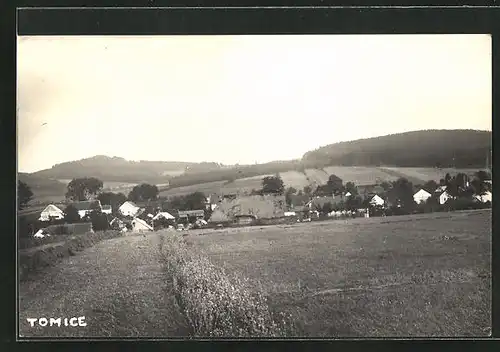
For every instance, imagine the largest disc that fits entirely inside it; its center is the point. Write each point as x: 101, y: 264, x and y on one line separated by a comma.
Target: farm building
x: 319, y: 202
x: 129, y: 209
x: 290, y: 213
x: 139, y: 225
x: 51, y: 211
x: 85, y: 208
x: 42, y: 233
x: 260, y: 206
x: 106, y: 209
x: 188, y: 216
x: 421, y: 196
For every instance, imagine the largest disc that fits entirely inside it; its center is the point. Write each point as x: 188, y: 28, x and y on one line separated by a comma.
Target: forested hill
x: 429, y: 148
x: 122, y: 170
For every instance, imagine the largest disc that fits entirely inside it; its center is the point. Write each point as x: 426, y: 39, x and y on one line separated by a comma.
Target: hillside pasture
x: 415, y: 276
x: 294, y: 179
x: 207, y: 188
x: 427, y: 174
x: 360, y: 175
x: 317, y: 176
x: 246, y: 184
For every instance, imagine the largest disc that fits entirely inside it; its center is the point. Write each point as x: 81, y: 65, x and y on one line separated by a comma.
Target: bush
x: 214, y: 304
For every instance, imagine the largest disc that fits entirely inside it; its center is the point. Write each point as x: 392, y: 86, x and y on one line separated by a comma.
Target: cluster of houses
x: 237, y: 209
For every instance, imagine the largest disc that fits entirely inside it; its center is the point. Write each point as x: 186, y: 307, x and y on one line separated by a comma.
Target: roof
x: 143, y: 223
x: 106, y: 207
x: 421, y: 191
x: 85, y: 205
x: 129, y: 203
x: 198, y: 212
x: 440, y: 189
x: 51, y: 208
x: 321, y: 201
x: 262, y: 206
x: 164, y: 214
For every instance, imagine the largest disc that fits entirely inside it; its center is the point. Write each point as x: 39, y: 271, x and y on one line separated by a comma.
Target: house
x: 440, y: 189
x: 484, y: 197
x: 348, y: 194
x: 106, y: 209
x: 51, y: 211
x: 191, y: 215
x: 444, y: 197
x: 85, y: 208
x: 164, y: 215
x: 139, y: 225
x: 318, y: 203
x: 376, y: 200
x: 129, y: 209
x: 41, y: 233
x: 421, y: 196
x: 290, y: 213
x: 261, y: 206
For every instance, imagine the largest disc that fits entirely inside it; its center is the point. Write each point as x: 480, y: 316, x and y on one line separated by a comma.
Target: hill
x: 44, y: 189
x: 121, y: 170
x: 430, y: 148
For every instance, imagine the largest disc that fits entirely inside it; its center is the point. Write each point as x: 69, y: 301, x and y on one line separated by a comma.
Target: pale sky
x: 240, y: 99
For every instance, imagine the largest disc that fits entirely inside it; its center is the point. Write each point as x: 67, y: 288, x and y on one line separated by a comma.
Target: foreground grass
x: 214, y: 303
x: 422, y: 275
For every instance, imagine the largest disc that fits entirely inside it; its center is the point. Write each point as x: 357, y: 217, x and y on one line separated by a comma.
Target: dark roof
x: 106, y: 206
x: 321, y: 201
x: 85, y: 205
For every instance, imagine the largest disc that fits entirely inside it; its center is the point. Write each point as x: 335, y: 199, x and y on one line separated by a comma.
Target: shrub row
x: 214, y: 304
x: 33, y: 260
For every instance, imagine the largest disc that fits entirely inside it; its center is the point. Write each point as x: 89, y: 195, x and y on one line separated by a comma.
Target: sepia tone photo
x: 312, y: 186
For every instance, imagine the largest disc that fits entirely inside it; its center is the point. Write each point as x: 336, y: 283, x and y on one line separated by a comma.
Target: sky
x: 240, y: 99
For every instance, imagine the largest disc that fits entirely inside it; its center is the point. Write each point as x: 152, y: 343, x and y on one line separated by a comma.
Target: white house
x: 139, y: 225
x: 290, y: 213
x: 106, y: 209
x: 164, y: 215
x: 421, y: 196
x: 440, y: 189
x: 51, y: 211
x: 377, y: 200
x: 444, y: 197
x: 348, y: 194
x: 41, y: 233
x: 129, y: 209
x: 484, y: 198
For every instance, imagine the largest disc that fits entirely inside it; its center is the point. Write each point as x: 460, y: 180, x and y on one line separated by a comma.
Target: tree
x: 272, y: 184
x: 24, y: 194
x: 430, y: 186
x: 351, y: 188
x: 353, y: 203
x: 288, y: 195
x: 99, y: 221
x: 143, y: 192
x: 307, y: 190
x: 335, y: 184
x: 80, y: 189
x: 71, y: 214
x: 113, y: 199
x: 482, y: 175
x: 402, y: 193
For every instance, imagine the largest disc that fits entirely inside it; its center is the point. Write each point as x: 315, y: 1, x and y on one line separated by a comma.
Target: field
x: 398, y: 276
x: 419, y: 275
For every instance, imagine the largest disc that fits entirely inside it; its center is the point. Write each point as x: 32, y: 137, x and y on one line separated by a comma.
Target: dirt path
x: 118, y: 286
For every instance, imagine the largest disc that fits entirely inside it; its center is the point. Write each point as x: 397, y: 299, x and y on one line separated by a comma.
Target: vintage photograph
x: 273, y: 186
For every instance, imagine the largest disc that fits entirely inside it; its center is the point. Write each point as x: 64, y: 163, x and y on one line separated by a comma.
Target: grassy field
x: 420, y: 275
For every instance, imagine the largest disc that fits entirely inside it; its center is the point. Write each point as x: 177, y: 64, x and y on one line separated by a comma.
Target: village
x: 273, y: 204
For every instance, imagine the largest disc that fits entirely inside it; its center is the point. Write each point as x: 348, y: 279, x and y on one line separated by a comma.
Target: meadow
x: 418, y: 275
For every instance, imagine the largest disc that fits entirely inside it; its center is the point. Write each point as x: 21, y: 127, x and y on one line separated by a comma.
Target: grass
x: 424, y: 275
x: 54, y: 249
x: 214, y: 303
